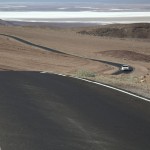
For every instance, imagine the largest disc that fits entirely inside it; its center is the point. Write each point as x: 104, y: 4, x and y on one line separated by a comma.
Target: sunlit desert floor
x: 15, y: 55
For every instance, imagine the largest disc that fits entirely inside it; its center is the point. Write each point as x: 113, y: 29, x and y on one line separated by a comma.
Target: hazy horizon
x: 98, y: 11
x: 78, y: 1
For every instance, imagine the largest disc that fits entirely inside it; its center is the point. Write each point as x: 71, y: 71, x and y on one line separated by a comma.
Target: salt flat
x: 76, y: 16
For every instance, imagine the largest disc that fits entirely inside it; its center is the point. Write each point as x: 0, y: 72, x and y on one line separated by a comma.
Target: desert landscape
x: 74, y: 75
x: 79, y: 47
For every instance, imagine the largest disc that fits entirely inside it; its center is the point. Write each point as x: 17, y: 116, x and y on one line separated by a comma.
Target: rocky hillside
x: 139, y: 30
x: 5, y: 23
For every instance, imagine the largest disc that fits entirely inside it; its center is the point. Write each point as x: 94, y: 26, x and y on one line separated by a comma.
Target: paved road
x: 50, y: 112
x: 118, y: 65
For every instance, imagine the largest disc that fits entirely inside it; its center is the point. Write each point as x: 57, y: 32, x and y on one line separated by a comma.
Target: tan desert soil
x: 17, y: 56
x: 135, y: 52
x: 128, y: 55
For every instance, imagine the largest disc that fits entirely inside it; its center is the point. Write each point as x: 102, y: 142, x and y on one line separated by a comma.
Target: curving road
x: 51, y: 112
x: 118, y: 65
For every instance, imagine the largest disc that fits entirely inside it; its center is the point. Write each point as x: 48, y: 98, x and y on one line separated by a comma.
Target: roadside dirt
x: 127, y: 55
x: 17, y: 56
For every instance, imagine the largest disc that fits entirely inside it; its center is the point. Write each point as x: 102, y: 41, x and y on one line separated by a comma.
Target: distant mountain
x: 138, y: 30
x: 80, y: 1
x: 5, y: 23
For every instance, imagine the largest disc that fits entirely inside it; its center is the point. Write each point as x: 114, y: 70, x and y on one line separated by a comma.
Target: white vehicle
x: 125, y: 68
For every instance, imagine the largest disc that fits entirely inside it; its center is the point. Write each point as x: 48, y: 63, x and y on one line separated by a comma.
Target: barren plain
x: 15, y: 55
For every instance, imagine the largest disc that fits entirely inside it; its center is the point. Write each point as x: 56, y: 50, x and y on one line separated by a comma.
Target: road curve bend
x: 118, y: 65
x: 50, y: 112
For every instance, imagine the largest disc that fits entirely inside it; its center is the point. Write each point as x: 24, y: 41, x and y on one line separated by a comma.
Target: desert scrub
x: 85, y: 74
x: 127, y: 82
x: 130, y: 83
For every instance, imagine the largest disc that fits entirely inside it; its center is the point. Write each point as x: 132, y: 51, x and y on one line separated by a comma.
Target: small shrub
x: 85, y: 74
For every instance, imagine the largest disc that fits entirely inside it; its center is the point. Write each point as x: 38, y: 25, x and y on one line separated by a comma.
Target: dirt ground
x: 18, y: 56
x: 135, y: 52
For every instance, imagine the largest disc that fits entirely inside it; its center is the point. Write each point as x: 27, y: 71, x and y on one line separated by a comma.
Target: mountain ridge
x: 136, y: 30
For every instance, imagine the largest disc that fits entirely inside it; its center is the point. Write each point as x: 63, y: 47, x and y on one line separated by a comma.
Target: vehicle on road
x: 125, y: 68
